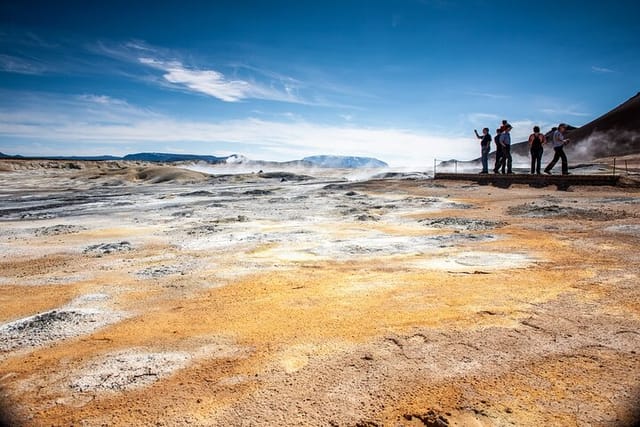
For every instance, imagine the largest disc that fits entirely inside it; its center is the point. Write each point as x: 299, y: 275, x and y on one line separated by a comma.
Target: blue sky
x: 404, y: 81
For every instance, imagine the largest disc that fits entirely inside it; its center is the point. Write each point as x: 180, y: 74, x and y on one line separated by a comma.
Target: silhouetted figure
x: 505, y: 141
x: 536, y: 140
x: 485, y: 147
x: 558, y: 142
x: 496, y: 139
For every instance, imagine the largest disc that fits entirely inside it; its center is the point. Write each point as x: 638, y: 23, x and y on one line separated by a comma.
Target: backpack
x: 537, y: 141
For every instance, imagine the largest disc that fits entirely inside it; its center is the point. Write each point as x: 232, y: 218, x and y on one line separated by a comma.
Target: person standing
x: 485, y: 146
x: 496, y: 139
x: 536, y: 140
x: 505, y: 141
x: 558, y: 142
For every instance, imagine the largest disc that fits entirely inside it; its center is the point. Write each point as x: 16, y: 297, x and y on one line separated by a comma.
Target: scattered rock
x: 127, y: 370
x: 159, y: 271
x: 183, y: 214
x: 239, y: 218
x: 108, y: 248
x: 58, y: 229
x: 367, y: 217
x: 201, y: 193
x: 534, y: 210
x: 284, y: 176
x: 258, y: 192
x: 45, y: 328
x: 202, y: 230
x: 429, y: 419
x: 462, y: 223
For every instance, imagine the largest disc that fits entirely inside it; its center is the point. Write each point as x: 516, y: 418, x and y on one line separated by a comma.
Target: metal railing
x: 615, y: 170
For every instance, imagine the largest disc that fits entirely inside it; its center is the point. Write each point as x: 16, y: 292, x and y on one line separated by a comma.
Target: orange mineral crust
x: 136, y: 295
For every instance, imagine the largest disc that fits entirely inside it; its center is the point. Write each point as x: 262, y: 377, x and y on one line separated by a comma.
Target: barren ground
x: 134, y: 295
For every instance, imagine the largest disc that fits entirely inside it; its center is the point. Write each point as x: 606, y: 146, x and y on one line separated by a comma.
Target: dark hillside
x: 616, y: 133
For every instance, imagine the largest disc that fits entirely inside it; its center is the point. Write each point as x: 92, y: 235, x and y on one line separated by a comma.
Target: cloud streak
x: 214, y: 83
x: 565, y: 112
x: 14, y: 64
x: 488, y: 95
x: 601, y: 70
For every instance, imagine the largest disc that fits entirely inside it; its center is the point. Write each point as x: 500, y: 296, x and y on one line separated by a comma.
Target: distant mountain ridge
x: 344, y: 162
x: 323, y: 161
x: 171, y: 158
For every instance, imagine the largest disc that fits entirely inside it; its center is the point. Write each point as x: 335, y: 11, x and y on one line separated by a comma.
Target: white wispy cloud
x: 565, y: 112
x: 102, y: 99
x: 487, y: 95
x: 483, y: 119
x: 216, y: 84
x: 228, y: 79
x: 14, y: 64
x: 601, y: 70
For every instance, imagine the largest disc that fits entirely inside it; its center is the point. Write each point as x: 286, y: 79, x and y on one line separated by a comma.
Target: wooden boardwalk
x: 562, y: 182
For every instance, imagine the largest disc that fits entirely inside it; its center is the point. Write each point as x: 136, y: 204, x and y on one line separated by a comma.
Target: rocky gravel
x: 274, y: 299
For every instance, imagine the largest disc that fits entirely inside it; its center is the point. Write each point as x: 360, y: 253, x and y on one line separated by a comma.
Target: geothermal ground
x: 136, y: 295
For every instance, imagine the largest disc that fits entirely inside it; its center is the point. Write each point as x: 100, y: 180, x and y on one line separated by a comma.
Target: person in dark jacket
x: 496, y: 139
x: 505, y: 141
x: 536, y: 140
x: 485, y: 147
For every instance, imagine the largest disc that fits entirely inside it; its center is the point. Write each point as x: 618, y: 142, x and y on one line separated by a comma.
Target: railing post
x: 614, y: 166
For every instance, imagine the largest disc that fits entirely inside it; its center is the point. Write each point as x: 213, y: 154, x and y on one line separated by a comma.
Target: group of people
x: 537, y: 140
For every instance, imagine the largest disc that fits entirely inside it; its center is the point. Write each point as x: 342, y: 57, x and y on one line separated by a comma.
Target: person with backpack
x: 559, y: 141
x: 505, y: 141
x: 496, y: 140
x: 485, y: 147
x: 536, y: 140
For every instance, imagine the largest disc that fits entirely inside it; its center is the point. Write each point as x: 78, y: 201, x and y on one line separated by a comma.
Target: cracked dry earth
x: 252, y: 300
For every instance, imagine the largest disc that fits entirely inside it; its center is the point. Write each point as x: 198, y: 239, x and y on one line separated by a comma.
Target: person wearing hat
x: 505, y: 141
x: 558, y: 141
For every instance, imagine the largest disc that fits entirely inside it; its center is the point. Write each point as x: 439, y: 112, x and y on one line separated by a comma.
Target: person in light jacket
x: 558, y: 141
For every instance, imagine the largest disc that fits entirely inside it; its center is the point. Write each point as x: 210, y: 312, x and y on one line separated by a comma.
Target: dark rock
x: 108, y: 248
x: 258, y: 192
x: 462, y: 223
x: 58, y: 229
